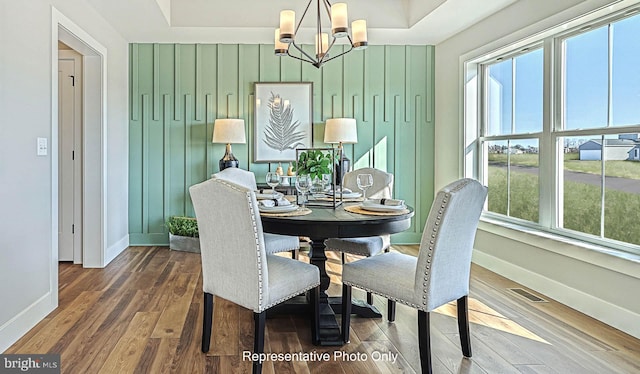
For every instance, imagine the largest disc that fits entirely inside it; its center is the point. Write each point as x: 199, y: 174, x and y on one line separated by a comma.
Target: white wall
x: 26, y: 256
x: 597, y: 284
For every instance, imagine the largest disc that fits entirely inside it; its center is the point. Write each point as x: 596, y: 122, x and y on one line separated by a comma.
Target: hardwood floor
x: 143, y: 314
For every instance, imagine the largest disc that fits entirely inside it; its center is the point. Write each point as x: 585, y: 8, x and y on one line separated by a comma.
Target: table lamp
x: 228, y: 131
x: 341, y: 131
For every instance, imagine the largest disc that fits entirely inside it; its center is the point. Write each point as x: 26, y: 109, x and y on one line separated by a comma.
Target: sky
x: 586, y: 82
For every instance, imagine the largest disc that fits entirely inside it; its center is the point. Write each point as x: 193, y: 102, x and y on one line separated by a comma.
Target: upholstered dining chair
x: 438, y: 275
x: 368, y: 246
x: 236, y: 267
x: 274, y: 243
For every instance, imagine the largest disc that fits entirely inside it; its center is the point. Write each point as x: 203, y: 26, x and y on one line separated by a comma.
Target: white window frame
x: 550, y: 166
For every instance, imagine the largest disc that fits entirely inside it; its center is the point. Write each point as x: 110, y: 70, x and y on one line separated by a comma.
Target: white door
x: 69, y: 189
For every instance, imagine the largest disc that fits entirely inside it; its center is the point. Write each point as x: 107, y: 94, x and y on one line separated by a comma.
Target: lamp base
x: 342, y: 167
x: 223, y: 164
x: 228, y: 160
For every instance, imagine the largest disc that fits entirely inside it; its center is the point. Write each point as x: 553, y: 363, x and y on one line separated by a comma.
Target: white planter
x: 184, y: 243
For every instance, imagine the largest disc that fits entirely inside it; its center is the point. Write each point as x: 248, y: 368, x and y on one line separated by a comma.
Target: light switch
x: 42, y: 147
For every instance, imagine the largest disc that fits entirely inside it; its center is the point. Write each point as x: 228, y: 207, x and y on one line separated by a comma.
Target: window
x: 558, y: 131
x: 513, y: 88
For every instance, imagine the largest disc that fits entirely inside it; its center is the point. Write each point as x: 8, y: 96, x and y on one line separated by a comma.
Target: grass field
x: 622, y: 169
x: 581, y: 202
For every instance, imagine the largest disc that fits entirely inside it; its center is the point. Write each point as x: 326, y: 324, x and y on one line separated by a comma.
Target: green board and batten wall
x: 178, y: 90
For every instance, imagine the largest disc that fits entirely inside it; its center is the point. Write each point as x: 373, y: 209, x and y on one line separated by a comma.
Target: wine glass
x: 326, y: 181
x: 303, y: 184
x: 364, y: 182
x: 273, y: 179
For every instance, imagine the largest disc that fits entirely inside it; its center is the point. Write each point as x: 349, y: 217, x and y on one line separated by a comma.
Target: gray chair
x: 274, y: 243
x: 235, y: 265
x: 368, y: 246
x: 438, y: 275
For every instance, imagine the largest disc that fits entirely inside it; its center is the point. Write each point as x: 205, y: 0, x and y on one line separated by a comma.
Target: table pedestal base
x: 329, y: 328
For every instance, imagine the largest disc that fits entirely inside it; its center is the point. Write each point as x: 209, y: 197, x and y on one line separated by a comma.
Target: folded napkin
x: 390, y: 202
x: 270, y: 203
x: 344, y: 191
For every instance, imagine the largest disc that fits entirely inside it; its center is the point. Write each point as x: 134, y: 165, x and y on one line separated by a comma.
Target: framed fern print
x: 283, y: 120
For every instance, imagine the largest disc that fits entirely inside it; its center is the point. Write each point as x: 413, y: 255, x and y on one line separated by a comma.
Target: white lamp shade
x: 229, y: 131
x: 341, y: 130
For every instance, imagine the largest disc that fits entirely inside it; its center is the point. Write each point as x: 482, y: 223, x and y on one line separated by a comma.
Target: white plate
x: 383, y: 208
x: 278, y: 209
x: 349, y: 195
x: 268, y: 196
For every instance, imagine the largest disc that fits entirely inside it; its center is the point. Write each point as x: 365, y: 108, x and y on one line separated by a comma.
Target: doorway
x: 70, y: 106
x: 91, y: 214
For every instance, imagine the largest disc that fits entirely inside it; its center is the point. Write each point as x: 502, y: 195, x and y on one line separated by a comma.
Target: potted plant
x: 183, y: 234
x: 314, y: 162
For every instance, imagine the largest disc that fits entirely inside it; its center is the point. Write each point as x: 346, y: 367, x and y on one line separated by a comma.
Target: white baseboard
x: 19, y: 325
x: 611, y: 314
x: 113, y: 251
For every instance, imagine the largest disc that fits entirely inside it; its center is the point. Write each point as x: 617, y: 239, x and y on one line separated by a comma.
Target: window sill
x: 611, y: 259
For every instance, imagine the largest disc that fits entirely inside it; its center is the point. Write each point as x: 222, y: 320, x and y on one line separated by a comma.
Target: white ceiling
x: 253, y: 21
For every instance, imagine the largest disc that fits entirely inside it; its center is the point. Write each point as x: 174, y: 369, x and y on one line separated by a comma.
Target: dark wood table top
x: 337, y: 223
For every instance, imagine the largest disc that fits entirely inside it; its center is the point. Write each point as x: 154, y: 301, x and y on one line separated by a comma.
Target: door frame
x: 94, y: 91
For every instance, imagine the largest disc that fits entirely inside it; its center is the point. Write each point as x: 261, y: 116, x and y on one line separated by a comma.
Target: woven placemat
x: 358, y: 209
x: 295, y: 213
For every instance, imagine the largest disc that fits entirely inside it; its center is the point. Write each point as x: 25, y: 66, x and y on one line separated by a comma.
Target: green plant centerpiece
x: 183, y: 234
x: 314, y: 162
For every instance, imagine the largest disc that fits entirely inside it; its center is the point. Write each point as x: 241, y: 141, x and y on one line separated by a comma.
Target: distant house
x: 615, y: 149
x: 634, y: 153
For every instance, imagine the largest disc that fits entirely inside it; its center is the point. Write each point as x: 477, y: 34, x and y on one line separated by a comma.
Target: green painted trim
x: 156, y: 81
x: 148, y: 239
x: 135, y: 78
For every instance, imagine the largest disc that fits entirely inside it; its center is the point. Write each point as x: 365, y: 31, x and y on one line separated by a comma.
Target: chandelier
x: 286, y: 35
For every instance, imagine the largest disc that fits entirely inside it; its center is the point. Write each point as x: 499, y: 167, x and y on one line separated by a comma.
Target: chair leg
x: 294, y: 254
x: 424, y: 342
x: 343, y: 258
x: 315, y: 322
x: 346, y: 312
x: 391, y: 310
x: 207, y: 321
x: 463, y: 325
x: 258, y: 342
x: 369, y: 298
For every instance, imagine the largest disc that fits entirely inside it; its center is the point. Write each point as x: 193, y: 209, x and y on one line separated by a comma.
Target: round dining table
x: 328, y: 222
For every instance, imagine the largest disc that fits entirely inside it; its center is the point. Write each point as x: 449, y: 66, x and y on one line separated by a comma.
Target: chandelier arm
x: 318, y: 32
x: 301, y: 18
x: 322, y: 60
x: 309, y: 58
x: 298, y: 58
x: 336, y: 56
x: 327, y: 6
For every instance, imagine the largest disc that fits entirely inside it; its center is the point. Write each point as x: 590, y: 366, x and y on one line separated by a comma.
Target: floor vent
x: 528, y: 295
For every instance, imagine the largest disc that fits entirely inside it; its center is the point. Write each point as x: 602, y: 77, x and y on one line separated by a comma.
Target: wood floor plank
x: 174, y: 314
x: 535, y: 369
x: 56, y: 328
x: 127, y: 352
x: 99, y: 324
x: 225, y: 330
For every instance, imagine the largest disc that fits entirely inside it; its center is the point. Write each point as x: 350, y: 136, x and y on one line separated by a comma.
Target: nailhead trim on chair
x: 411, y: 304
x: 260, y: 259
x: 255, y: 233
x: 434, y: 236
x: 290, y: 296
